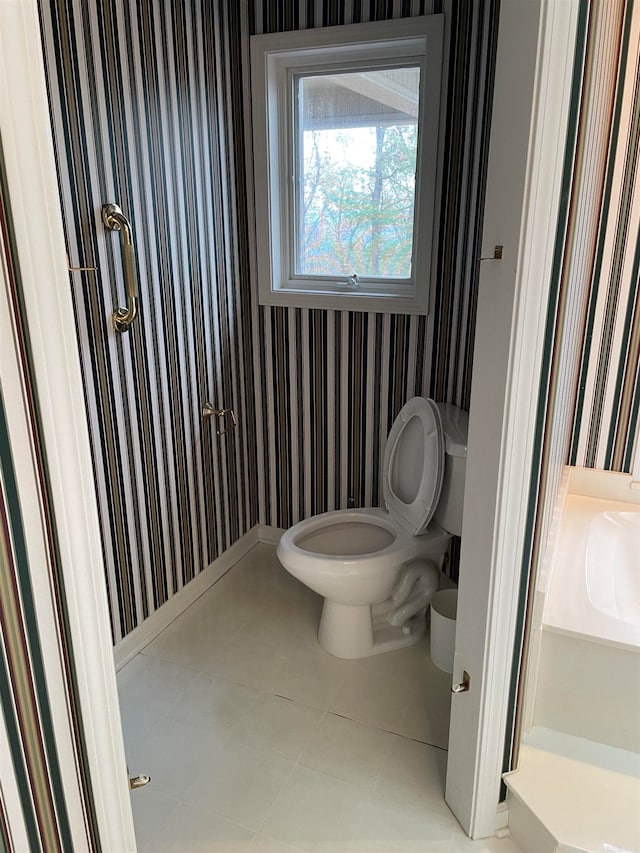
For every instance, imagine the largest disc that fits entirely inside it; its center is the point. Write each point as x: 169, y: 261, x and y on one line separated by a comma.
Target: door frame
x: 37, y: 217
x: 27, y: 137
x: 532, y: 98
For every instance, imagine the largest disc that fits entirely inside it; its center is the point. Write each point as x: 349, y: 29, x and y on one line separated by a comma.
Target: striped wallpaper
x: 607, y: 417
x: 330, y: 383
x: 589, y: 393
x: 46, y: 801
x: 142, y: 100
x: 149, y: 103
x: 578, y: 235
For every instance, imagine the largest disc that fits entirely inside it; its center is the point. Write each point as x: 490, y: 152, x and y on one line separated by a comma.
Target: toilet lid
x: 414, y: 465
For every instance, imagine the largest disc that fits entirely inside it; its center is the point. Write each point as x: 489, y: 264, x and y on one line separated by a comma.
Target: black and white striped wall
x: 150, y: 106
x: 607, y: 413
x: 143, y: 101
x: 148, y: 109
x: 590, y: 394
x: 330, y: 383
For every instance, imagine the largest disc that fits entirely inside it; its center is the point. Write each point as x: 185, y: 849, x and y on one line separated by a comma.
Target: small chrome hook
x: 353, y: 280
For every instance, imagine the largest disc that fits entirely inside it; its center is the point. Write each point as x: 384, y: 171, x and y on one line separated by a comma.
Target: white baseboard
x: 141, y: 636
x: 267, y: 534
x: 502, y: 819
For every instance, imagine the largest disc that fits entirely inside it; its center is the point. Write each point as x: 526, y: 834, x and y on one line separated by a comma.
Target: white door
x: 530, y: 109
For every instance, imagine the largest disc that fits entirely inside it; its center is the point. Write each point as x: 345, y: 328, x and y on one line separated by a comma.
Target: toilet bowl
x: 376, y: 568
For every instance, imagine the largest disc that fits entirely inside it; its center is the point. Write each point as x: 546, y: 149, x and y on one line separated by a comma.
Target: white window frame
x: 276, y: 60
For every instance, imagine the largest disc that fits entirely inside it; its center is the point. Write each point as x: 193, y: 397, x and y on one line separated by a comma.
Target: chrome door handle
x: 115, y: 220
x: 208, y: 411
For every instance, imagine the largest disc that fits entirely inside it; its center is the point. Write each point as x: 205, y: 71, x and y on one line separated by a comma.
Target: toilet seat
x: 299, y: 539
x: 320, y: 570
x: 413, y: 466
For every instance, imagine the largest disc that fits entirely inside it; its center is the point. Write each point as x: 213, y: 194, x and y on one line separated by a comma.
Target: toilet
x: 377, y: 569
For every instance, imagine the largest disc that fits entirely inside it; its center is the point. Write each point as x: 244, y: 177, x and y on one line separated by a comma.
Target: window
x: 345, y: 123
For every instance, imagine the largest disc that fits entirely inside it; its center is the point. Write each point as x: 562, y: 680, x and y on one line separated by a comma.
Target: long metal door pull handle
x: 115, y: 220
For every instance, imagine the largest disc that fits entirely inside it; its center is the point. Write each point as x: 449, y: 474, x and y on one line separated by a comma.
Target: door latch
x: 140, y: 781
x: 463, y: 686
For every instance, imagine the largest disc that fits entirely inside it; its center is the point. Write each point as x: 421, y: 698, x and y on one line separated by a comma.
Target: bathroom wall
x: 142, y: 102
x: 607, y: 415
x: 149, y: 110
x: 46, y: 800
x: 580, y: 232
x: 590, y: 390
x: 329, y: 383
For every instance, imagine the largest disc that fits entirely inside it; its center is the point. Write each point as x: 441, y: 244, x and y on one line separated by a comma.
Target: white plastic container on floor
x: 444, y: 605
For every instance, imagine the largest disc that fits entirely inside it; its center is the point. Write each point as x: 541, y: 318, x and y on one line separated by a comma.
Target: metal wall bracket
x: 208, y: 411
x: 79, y: 269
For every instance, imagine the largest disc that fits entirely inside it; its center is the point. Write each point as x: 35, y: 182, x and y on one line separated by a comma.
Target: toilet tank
x: 455, y: 425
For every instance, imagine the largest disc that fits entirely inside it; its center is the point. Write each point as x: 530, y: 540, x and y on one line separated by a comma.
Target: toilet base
x: 349, y: 631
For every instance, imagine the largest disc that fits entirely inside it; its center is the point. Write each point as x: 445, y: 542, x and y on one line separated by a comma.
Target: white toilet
x: 378, y: 569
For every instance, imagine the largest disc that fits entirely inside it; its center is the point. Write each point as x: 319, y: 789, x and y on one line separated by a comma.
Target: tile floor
x: 257, y: 740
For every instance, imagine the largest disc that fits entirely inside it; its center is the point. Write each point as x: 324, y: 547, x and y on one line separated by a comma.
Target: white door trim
x: 37, y: 216
x: 519, y: 284
x: 531, y: 261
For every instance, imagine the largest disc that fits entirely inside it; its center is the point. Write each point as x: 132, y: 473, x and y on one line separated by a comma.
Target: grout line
x: 387, y: 731
x: 266, y: 692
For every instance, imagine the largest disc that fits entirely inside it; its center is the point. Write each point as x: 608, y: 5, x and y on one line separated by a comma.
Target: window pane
x: 356, y: 172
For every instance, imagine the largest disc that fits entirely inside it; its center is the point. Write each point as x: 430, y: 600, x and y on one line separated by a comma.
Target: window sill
x: 356, y: 301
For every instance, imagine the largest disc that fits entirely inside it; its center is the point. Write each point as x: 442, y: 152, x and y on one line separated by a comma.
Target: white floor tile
x: 235, y: 766
x: 373, y: 700
x: 279, y: 726
x: 151, y: 813
x: 145, y: 680
x: 315, y: 812
x: 174, y: 755
x: 398, y: 830
x: 212, y: 622
x: 260, y: 844
x: 248, y: 663
x: 312, y: 677
x: 215, y: 703
x: 148, y: 689
x: 240, y: 785
x: 428, y: 709
x: 460, y: 843
x: 198, y: 830
x: 347, y: 750
x: 413, y: 777
x: 404, y: 666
